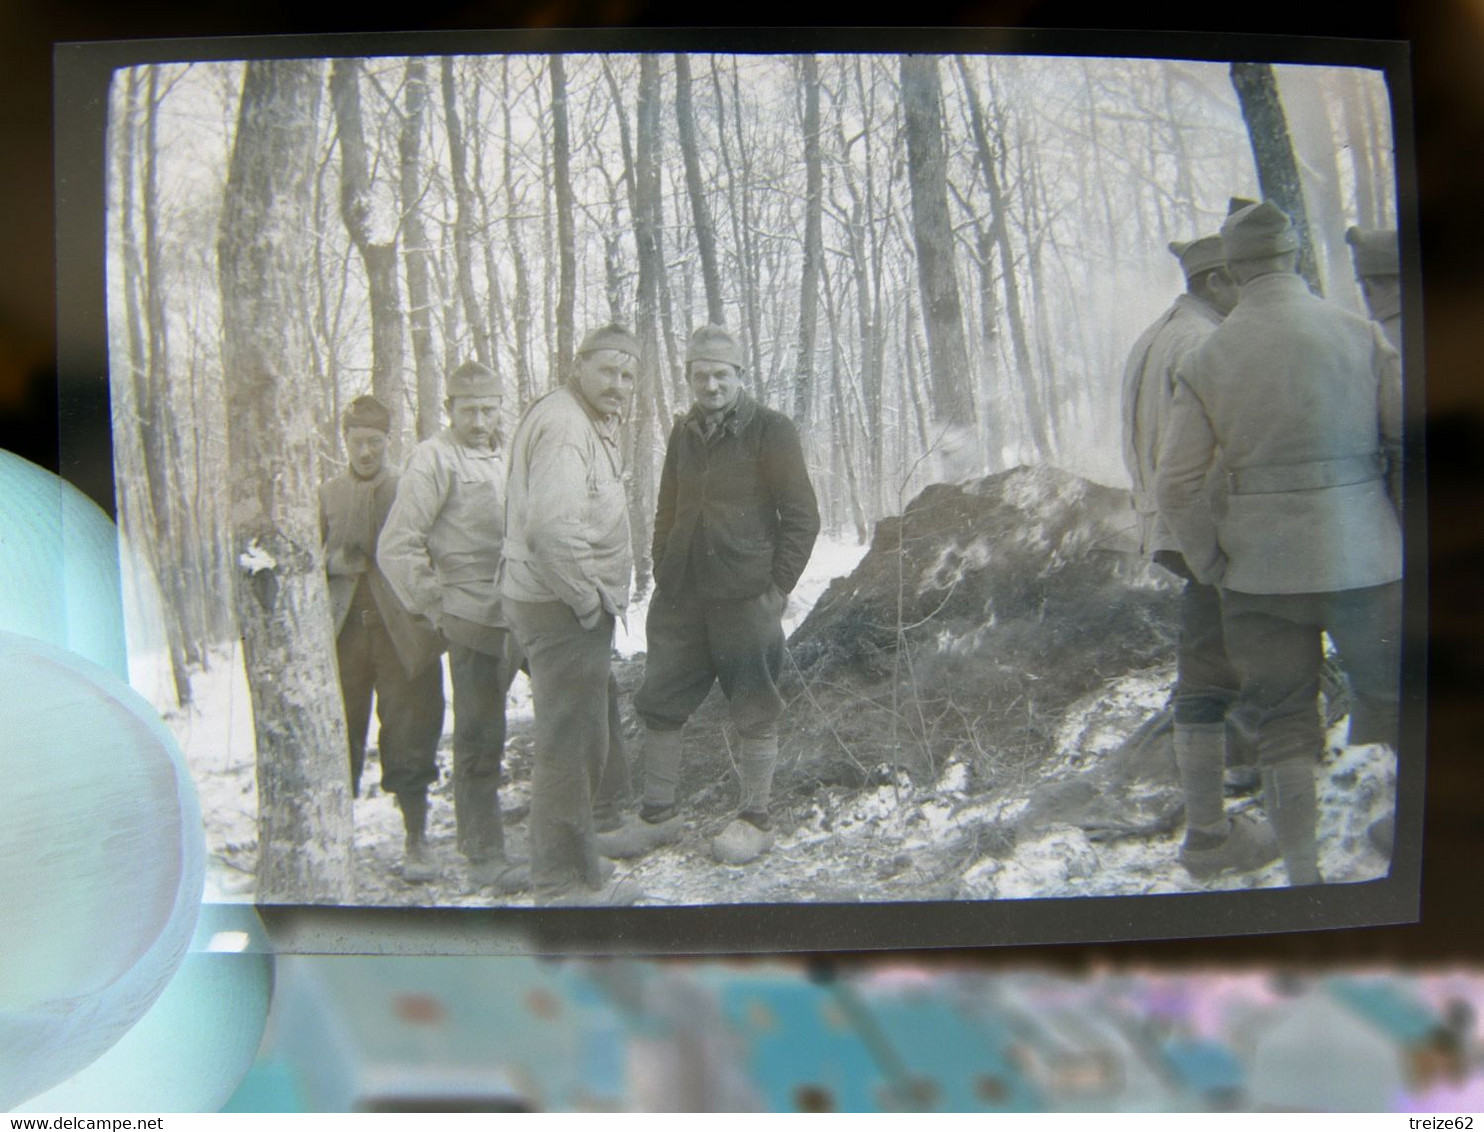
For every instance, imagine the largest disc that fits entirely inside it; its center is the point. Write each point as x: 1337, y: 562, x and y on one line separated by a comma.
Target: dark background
x: 1447, y: 43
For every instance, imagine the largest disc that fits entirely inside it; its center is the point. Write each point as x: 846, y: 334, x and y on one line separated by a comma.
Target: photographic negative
x: 534, y: 390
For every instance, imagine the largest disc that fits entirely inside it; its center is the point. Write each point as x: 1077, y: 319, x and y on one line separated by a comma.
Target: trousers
x: 695, y: 643
x: 480, y: 682
x: 409, y: 709
x: 579, y: 751
x: 1206, y: 683
x: 1274, y: 643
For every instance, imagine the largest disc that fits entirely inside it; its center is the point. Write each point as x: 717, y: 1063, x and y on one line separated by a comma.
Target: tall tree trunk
x: 1272, y: 153
x: 562, y: 179
x: 463, y: 217
x: 813, y: 244
x: 985, y: 150
x: 415, y: 251
x: 150, y: 424
x: 523, y: 379
x: 948, y: 358
x: 1314, y: 146
x: 646, y: 397
x: 843, y: 448
x: 1357, y: 141
x: 685, y: 120
x: 379, y: 257
x: 283, y: 609
x: 740, y: 200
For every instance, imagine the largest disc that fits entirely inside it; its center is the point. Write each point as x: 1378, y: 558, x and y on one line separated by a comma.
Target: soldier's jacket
x: 440, y: 548
x: 352, y: 513
x: 1148, y: 386
x: 567, y: 534
x: 1297, y: 403
x: 736, y: 512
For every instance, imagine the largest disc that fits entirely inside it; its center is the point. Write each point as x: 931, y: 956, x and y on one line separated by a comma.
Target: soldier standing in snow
x: 440, y: 550
x: 379, y: 646
x: 1206, y: 685
x: 568, y: 566
x: 1297, y: 403
x: 1378, y: 268
x: 734, y: 527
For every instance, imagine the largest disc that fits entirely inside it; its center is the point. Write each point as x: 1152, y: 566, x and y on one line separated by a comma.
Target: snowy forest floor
x: 1096, y: 814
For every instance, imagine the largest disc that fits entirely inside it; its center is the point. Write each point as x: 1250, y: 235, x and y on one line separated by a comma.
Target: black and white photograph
x: 605, y: 478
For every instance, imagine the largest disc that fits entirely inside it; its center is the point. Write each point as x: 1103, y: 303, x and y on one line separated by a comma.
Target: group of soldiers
x: 1263, y: 435
x: 521, y: 558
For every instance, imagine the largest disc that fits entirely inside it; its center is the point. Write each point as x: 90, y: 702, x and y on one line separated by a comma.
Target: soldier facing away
x: 734, y: 527
x: 380, y: 647
x: 1206, y: 684
x: 1378, y: 269
x: 1297, y: 403
x: 440, y: 550
x: 568, y: 565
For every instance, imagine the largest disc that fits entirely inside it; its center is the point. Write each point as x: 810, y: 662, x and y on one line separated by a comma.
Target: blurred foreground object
x: 101, y: 850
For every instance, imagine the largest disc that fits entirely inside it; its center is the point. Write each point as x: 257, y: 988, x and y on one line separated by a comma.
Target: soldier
x: 1297, y: 404
x: 1378, y: 270
x: 568, y: 564
x: 734, y: 527
x: 380, y: 647
x: 1206, y: 685
x: 440, y: 550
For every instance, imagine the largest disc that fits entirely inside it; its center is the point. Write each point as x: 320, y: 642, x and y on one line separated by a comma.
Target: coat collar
x: 1277, y: 284
x: 1198, y: 306
x: 733, y: 421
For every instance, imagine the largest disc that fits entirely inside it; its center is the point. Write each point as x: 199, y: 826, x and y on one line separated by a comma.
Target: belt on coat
x: 1310, y: 475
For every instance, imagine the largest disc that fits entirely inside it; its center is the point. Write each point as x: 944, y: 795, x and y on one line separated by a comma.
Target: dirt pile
x: 972, y: 627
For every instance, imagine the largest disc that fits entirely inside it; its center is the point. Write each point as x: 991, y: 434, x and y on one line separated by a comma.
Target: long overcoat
x: 1148, y: 386
x: 350, y: 547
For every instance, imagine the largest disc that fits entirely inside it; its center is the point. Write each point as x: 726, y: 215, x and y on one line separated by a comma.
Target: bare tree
x: 1272, y: 153
x: 685, y: 120
x: 283, y: 612
x: 463, y: 217
x: 415, y: 250
x: 813, y: 243
x: 378, y: 256
x: 942, y: 311
x: 562, y: 180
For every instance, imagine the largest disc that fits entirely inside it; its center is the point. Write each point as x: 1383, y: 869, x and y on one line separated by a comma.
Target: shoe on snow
x: 638, y: 836
x: 417, y: 863
x: 1249, y: 844
x: 743, y: 841
x: 504, y: 875
x: 612, y: 894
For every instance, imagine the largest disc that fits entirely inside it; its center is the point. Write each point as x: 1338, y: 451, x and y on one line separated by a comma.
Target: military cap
x: 472, y: 379
x: 713, y: 344
x: 1236, y: 204
x: 367, y: 412
x: 610, y: 337
x: 1258, y: 231
x: 1196, y: 256
x: 1374, y: 251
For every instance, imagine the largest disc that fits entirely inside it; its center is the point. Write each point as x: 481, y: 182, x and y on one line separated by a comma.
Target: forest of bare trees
x: 935, y: 264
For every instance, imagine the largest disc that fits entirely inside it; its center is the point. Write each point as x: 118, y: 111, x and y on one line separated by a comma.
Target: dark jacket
x: 736, y: 513
x: 352, y: 514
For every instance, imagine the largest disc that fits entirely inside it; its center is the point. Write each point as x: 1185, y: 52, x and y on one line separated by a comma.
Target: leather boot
x: 1291, y: 800
x: 417, y: 860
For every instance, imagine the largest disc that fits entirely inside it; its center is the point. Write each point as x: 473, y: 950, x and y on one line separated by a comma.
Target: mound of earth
x: 978, y: 618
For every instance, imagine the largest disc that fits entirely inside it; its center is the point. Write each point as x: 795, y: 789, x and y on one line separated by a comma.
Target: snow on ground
x: 889, y: 840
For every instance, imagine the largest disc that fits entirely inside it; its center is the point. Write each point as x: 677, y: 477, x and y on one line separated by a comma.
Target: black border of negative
x: 81, y: 75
